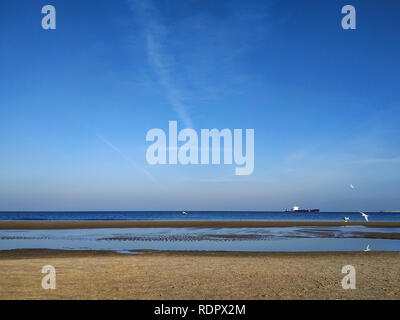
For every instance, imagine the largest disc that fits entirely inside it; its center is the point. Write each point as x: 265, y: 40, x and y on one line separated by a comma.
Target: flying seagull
x: 368, y: 248
x: 364, y: 215
x: 351, y: 186
x: 346, y: 219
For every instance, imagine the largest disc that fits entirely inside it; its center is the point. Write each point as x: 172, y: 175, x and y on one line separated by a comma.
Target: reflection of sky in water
x: 218, y: 239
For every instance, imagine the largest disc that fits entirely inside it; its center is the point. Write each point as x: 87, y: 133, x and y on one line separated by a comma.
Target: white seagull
x: 368, y: 248
x: 351, y: 186
x: 346, y: 219
x: 364, y: 215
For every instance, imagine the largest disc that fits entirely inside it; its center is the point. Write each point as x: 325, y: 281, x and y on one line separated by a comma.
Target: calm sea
x: 341, y: 238
x: 192, y: 215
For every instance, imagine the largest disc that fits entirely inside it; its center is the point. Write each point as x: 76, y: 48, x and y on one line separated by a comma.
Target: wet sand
x: 198, y: 275
x: 182, y: 224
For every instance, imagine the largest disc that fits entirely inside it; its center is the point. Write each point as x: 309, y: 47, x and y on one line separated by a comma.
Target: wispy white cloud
x: 393, y: 160
x: 129, y: 160
x: 296, y: 156
x: 159, y: 59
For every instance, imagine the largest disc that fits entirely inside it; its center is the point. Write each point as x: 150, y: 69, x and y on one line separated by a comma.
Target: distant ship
x: 297, y: 209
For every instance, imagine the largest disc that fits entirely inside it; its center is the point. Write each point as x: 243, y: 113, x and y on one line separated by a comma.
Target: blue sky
x: 76, y: 103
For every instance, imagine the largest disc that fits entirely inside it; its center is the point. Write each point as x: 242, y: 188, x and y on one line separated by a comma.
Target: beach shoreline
x: 15, y: 225
x: 66, y: 253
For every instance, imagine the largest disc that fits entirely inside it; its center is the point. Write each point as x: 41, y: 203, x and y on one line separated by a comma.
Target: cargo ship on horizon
x: 297, y: 209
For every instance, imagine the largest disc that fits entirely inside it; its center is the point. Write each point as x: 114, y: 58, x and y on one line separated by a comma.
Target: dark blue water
x: 193, y: 215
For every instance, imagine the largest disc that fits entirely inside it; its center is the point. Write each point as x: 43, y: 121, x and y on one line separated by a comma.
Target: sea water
x: 194, y: 215
x: 289, y: 239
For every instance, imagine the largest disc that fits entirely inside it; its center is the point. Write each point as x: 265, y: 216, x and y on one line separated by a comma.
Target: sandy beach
x: 183, y: 224
x: 198, y: 275
x: 167, y: 274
